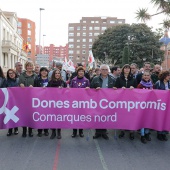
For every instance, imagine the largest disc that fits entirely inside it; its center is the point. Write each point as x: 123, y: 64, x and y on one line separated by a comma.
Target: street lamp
x: 40, y: 30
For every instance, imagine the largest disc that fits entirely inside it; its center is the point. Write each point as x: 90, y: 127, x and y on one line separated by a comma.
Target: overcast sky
x: 59, y: 13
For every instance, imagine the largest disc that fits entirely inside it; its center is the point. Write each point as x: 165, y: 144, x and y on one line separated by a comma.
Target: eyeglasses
x: 10, y: 73
x: 104, y: 69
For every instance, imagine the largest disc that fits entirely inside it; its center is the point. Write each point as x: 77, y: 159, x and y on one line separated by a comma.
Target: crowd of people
x: 129, y: 76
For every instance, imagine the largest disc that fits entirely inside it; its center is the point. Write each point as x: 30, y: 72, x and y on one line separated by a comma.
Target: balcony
x: 8, y: 46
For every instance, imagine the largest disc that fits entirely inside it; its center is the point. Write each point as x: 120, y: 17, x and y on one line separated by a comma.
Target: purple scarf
x: 147, y: 84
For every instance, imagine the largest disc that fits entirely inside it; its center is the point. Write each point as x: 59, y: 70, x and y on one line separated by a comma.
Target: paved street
x: 17, y: 153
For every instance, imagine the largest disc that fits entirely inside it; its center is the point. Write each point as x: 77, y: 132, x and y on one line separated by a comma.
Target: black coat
x: 38, y: 82
x: 122, y: 82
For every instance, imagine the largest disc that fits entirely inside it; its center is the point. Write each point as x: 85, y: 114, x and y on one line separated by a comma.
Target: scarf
x: 147, y: 84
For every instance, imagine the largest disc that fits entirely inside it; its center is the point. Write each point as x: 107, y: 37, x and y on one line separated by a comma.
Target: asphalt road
x: 17, y: 153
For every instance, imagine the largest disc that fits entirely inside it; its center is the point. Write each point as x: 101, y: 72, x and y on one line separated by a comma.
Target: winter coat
x: 122, y: 82
x: 27, y: 80
x: 2, y: 82
x: 12, y: 82
x: 97, y: 82
x: 160, y: 85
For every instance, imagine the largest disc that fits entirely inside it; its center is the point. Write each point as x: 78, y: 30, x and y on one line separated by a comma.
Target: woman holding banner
x: 163, y: 84
x: 58, y: 82
x: 126, y: 80
x: 12, y: 81
x: 145, y: 83
x: 2, y: 79
x: 80, y: 81
x: 42, y: 81
x: 26, y: 79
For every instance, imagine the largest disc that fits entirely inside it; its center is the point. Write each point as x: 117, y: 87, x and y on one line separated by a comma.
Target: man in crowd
x: 37, y: 69
x: 134, y: 69
x: 18, y: 67
x: 156, y: 71
x: 146, y: 67
x: 102, y: 81
x: 115, y: 72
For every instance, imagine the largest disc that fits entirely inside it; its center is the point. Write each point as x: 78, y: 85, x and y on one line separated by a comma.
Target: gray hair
x: 58, y: 64
x: 105, y: 66
x: 16, y: 64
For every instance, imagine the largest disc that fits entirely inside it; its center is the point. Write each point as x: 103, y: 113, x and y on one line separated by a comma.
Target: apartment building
x: 26, y: 28
x: 10, y: 41
x: 82, y: 35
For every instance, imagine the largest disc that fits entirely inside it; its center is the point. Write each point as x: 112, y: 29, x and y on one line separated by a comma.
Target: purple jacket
x: 79, y: 82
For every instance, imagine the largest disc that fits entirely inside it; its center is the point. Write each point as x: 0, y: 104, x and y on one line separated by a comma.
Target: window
x: 19, y: 31
x: 78, y: 58
x: 90, y: 28
x: 120, y: 22
x: 71, y: 46
x: 70, y: 57
x: 92, y: 21
x: 78, y: 46
x: 71, y: 28
x: 19, y: 24
x: 90, y: 45
x: 78, y: 34
x: 71, y: 34
x: 112, y: 22
x: 78, y: 28
x: 84, y: 21
x: 96, y: 28
x: 96, y: 34
x: 90, y: 34
x: 29, y: 25
x: 29, y: 39
x: 83, y: 58
x: 96, y: 21
x: 29, y: 32
x: 71, y: 40
x: 78, y: 40
x: 78, y: 52
x: 84, y: 52
x: 84, y: 46
x: 104, y: 28
x: 84, y: 34
x: 84, y: 40
x: 84, y: 28
x: 90, y: 40
x: 70, y: 51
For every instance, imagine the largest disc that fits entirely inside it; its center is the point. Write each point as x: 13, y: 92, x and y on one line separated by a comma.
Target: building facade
x: 42, y: 60
x: 82, y: 35
x: 26, y: 28
x: 54, y: 52
x: 10, y: 41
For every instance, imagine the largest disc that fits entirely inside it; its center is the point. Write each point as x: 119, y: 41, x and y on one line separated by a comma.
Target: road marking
x: 101, y: 157
x: 56, y: 156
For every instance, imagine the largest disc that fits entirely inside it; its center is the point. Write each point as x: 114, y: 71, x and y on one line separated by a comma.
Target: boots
x: 131, y: 136
x: 143, y: 139
x: 9, y: 132
x: 15, y: 131
x: 58, y: 133
x: 30, y: 132
x: 122, y: 134
x: 81, y: 133
x: 74, y: 133
x: 147, y: 137
x: 24, y: 132
x: 53, y: 135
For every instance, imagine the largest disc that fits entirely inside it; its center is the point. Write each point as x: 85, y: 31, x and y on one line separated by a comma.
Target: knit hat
x: 80, y: 68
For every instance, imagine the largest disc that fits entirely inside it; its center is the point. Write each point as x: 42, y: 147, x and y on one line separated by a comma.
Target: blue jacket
x: 160, y: 85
